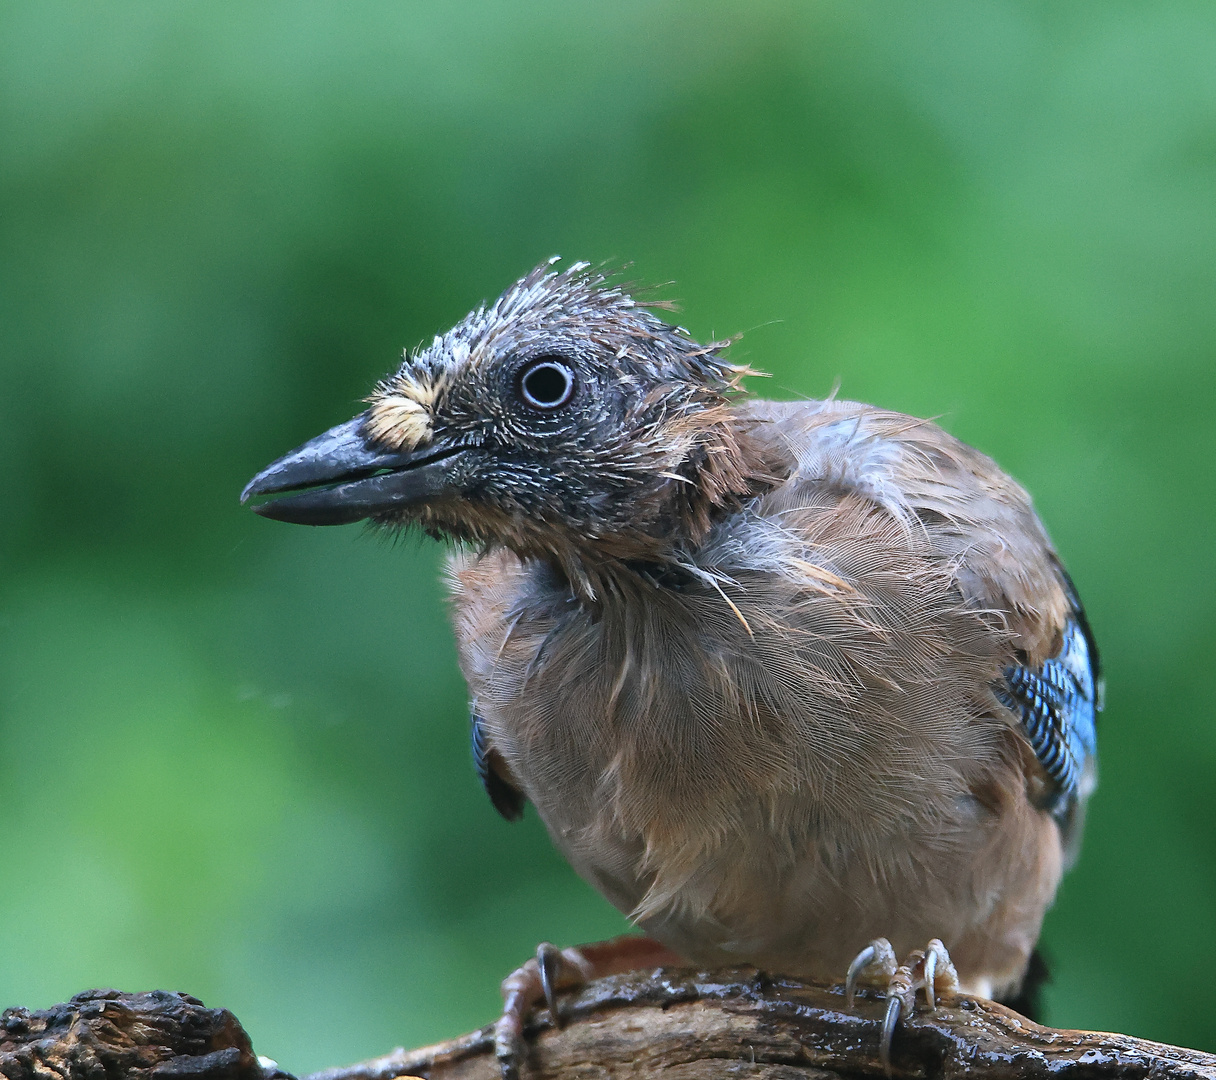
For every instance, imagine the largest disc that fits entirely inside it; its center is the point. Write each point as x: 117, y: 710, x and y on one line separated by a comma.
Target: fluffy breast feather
x: 811, y: 686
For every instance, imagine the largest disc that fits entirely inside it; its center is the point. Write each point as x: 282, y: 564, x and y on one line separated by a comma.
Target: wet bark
x: 680, y: 1025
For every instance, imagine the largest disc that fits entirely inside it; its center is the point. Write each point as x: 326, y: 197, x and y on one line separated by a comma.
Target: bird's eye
x: 547, y: 383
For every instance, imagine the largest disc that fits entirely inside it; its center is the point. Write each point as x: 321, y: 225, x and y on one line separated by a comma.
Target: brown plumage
x: 795, y: 747
x: 750, y: 661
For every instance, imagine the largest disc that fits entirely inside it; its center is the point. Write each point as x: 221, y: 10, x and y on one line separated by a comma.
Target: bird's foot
x: 537, y: 980
x: 553, y: 970
x: 929, y: 968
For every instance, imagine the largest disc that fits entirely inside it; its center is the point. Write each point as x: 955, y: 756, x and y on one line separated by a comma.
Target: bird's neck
x: 731, y: 464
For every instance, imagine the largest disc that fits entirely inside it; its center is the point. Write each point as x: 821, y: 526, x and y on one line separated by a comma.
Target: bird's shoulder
x: 846, y: 459
x: 948, y: 498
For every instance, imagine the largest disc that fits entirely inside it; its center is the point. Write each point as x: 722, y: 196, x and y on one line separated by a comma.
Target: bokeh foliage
x: 232, y: 752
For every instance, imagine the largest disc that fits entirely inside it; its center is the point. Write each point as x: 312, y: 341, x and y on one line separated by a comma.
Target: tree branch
x: 107, y: 1035
x: 691, y: 1025
x: 680, y: 1025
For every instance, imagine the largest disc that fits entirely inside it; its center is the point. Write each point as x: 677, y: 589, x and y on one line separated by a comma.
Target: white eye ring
x: 546, y: 384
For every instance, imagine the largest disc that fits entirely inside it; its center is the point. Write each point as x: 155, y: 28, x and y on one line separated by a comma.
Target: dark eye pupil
x: 547, y: 384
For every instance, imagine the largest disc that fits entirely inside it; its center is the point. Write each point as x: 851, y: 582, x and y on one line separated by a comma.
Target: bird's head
x: 565, y: 420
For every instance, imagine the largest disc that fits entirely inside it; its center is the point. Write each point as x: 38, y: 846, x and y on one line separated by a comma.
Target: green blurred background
x: 233, y: 753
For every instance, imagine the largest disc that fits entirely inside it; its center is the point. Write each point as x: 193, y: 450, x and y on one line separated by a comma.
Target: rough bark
x: 107, y: 1035
x: 683, y: 1025
x: 680, y: 1025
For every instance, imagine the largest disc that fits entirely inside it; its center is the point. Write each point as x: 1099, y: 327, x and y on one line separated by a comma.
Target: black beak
x: 340, y: 477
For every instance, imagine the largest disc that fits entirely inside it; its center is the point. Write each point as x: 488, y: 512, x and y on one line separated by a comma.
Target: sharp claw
x: 922, y: 967
x: 855, y: 968
x: 878, y: 954
x: 548, y: 959
x: 930, y: 974
x: 944, y: 970
x: 889, y: 1023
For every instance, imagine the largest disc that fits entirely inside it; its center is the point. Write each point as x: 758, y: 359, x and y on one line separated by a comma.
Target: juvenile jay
x: 800, y: 685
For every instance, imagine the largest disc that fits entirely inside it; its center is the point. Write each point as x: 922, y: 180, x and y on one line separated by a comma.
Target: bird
x: 799, y: 685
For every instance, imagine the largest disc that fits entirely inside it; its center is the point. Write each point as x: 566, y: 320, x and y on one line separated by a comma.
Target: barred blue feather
x: 1058, y: 706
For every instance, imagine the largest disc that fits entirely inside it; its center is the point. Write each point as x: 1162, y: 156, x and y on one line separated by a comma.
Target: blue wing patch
x: 1058, y: 707
x: 507, y: 800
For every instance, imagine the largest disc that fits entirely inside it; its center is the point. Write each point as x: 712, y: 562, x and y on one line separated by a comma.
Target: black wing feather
x: 507, y: 800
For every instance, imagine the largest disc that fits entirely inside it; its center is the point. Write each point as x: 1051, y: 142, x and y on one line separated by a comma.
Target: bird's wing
x: 1058, y: 705
x: 484, y: 589
x: 981, y: 524
x: 508, y: 800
